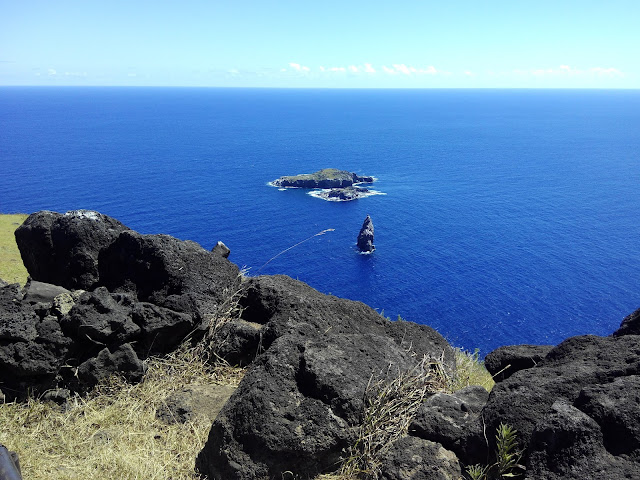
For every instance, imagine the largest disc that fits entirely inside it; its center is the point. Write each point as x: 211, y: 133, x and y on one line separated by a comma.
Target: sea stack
x: 365, y: 237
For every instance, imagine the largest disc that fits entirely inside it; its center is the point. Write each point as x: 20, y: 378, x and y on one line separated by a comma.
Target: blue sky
x: 346, y: 44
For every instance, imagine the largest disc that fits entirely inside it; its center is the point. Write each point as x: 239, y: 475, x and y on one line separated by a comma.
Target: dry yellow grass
x: 470, y: 371
x: 114, y: 433
x: 11, y: 268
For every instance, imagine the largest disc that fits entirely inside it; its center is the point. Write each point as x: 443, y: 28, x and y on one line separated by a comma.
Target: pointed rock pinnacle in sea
x: 365, y: 237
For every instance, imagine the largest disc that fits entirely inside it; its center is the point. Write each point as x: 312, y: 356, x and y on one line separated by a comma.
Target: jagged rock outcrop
x: 95, y: 334
x: 63, y: 249
x: 33, y: 347
x: 365, y: 237
x: 326, y: 178
x: 567, y: 444
x: 143, y: 294
x: 630, y: 325
x: 221, y: 249
x: 562, y: 400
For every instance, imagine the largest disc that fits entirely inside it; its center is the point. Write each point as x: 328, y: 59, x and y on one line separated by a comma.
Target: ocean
x: 508, y: 216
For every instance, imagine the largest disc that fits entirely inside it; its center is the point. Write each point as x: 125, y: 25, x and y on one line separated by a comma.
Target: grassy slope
x: 11, y: 268
x: 114, y: 433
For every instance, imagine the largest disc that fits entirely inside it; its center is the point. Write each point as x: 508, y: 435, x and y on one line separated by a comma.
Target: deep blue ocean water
x: 510, y: 216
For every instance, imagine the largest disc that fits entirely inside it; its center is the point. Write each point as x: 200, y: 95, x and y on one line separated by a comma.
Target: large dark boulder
x: 63, y: 249
x: 79, y: 338
x: 567, y: 445
x: 505, y: 361
x: 454, y: 421
x: 584, y: 372
x: 615, y: 407
x: 176, y: 274
x: 280, y: 304
x: 299, y: 405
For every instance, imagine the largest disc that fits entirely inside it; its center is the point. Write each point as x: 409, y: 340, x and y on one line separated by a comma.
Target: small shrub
x: 508, y: 457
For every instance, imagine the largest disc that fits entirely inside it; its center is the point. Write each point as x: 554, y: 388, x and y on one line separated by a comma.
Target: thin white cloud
x: 353, y: 69
x: 563, y: 70
x: 337, y: 69
x: 368, y: 68
x: 542, y: 71
x: 607, y: 71
x: 299, y: 68
x: 402, y: 68
x: 51, y: 72
x: 75, y: 74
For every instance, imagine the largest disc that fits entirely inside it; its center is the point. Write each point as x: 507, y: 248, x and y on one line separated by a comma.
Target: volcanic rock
x: 159, y: 269
x: 32, y: 347
x: 300, y: 403
x: 630, y: 325
x: 221, y: 249
x: 454, y: 421
x: 567, y: 445
x: 365, y: 237
x: 123, y: 361
x: 585, y: 372
x: 505, y: 361
x: 38, y: 292
x: 63, y: 249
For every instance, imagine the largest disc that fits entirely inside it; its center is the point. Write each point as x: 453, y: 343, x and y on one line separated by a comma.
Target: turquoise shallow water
x: 510, y: 216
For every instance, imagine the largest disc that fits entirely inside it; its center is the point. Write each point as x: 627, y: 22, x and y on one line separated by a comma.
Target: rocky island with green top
x: 335, y: 185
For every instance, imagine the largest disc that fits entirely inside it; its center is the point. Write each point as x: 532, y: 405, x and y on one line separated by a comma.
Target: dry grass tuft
x: 216, y: 335
x: 390, y: 405
x: 113, y: 432
x: 470, y: 370
x: 11, y: 268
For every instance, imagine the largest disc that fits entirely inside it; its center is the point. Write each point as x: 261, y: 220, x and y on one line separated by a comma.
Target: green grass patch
x: 11, y: 268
